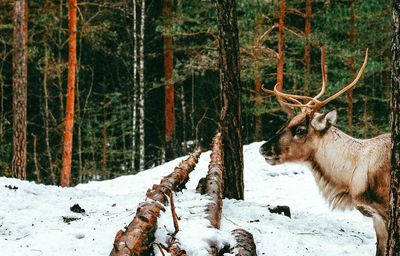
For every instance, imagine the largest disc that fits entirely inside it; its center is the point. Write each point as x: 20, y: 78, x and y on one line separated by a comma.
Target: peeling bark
x: 138, y: 236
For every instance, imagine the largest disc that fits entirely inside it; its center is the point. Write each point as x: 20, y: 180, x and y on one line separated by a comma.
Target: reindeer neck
x: 335, y: 156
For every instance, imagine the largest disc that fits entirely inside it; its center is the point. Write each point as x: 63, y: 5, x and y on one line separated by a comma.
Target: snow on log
x: 245, y: 245
x: 138, y: 236
x: 215, y: 182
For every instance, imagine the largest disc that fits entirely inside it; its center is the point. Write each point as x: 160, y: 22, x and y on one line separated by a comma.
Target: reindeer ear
x: 321, y: 122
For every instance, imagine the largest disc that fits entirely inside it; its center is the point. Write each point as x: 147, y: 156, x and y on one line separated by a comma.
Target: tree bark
x: 141, y: 90
x: 138, y: 236
x: 20, y: 83
x: 307, y: 49
x: 134, y: 87
x: 169, y: 82
x: 69, y: 114
x: 393, y: 247
x: 230, y: 118
x: 257, y: 78
x: 46, y: 116
x: 245, y: 245
x: 352, y: 35
x: 280, y: 64
x: 214, y: 184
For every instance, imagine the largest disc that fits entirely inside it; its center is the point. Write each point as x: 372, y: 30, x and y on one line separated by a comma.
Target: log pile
x: 138, y: 236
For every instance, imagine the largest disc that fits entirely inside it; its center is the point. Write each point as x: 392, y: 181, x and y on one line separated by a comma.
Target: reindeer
x: 350, y: 173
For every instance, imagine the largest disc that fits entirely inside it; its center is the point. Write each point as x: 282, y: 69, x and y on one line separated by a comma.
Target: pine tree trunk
x: 46, y: 116
x: 352, y: 36
x: 134, y: 87
x: 69, y: 114
x: 20, y: 81
x: 257, y: 79
x: 59, y: 59
x: 230, y: 98
x: 281, y: 45
x: 80, y: 114
x: 393, y: 248
x: 35, y: 161
x: 141, y: 90
x: 169, y: 82
x: 307, y: 49
x: 2, y: 151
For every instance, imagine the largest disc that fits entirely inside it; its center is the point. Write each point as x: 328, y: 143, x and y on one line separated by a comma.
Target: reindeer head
x: 298, y: 139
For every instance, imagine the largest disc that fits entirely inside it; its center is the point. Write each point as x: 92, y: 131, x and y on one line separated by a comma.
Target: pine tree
x: 69, y: 115
x: 231, y: 121
x: 142, y: 154
x: 393, y: 247
x: 20, y: 82
x: 169, y: 81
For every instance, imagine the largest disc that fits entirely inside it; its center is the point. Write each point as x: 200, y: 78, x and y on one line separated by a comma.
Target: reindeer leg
x: 381, y: 235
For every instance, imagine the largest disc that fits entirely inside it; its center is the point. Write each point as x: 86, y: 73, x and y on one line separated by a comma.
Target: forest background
x: 106, y: 141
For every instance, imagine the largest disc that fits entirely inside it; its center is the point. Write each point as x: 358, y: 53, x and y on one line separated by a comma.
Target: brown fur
x: 350, y: 173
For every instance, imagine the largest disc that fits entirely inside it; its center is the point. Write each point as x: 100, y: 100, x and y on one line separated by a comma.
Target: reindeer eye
x: 301, y: 131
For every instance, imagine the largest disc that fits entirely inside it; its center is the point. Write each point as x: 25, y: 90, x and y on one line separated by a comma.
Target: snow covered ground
x: 31, y: 217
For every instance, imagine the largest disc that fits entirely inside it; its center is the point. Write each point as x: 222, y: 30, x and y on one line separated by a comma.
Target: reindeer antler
x: 313, y: 103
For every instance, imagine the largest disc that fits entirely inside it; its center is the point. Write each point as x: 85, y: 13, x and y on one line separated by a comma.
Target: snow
x: 31, y: 217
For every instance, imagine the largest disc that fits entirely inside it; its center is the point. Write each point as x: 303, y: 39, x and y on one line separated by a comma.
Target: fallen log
x: 245, y: 245
x: 214, y: 184
x: 137, y: 238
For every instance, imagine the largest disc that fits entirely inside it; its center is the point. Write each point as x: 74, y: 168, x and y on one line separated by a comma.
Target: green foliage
x: 103, y: 124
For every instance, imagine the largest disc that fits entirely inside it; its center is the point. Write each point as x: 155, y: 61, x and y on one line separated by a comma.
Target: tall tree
x: 307, y: 34
x: 279, y: 73
x: 141, y: 88
x: 169, y: 81
x: 69, y: 113
x: 134, y: 87
x: 393, y: 248
x: 257, y: 76
x: 20, y: 83
x: 230, y: 121
x: 352, y: 36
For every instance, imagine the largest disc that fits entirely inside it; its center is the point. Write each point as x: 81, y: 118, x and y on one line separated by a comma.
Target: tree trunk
x: 230, y: 98
x: 35, y: 161
x: 393, y: 248
x: 281, y: 45
x: 169, y: 82
x: 69, y: 114
x: 20, y: 82
x: 134, y: 87
x: 46, y: 116
x: 257, y: 78
x: 352, y: 35
x: 307, y: 49
x: 141, y: 89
